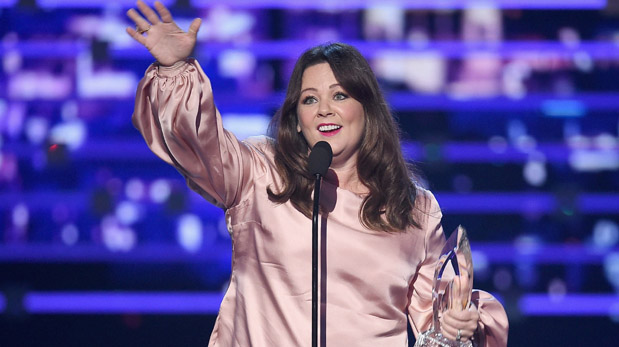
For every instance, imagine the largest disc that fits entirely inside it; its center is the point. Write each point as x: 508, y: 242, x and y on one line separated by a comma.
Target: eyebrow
x: 314, y: 89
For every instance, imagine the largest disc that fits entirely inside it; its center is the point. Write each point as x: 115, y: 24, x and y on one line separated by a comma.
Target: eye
x: 340, y: 96
x: 308, y: 100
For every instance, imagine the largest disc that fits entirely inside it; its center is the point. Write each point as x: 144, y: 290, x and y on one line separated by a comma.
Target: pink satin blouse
x: 371, y: 282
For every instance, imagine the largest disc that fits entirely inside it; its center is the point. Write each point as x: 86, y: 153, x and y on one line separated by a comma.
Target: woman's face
x: 326, y: 112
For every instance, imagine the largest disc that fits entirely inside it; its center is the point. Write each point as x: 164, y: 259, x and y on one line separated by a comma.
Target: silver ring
x: 459, y: 335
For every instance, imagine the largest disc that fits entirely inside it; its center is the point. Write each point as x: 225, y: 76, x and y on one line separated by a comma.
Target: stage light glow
x: 135, y: 189
x: 127, y: 212
x: 36, y: 129
x: 480, y: 262
x: 21, y: 216
x: 606, y: 141
x: 3, y: 110
x: 594, y: 160
x: 557, y: 289
x: 14, y: 121
x: 569, y: 37
x: 245, y: 125
x: 578, y: 141
x: 534, y: 172
x: 385, y: 22
x: 583, y: 61
x: 236, y: 63
x: 611, y: 269
x: 160, y: 191
x: 104, y: 84
x: 69, y: 234
x: 525, y: 143
x: 189, y: 232
x: 605, y: 234
x: 223, y: 24
x: 527, y: 244
x: 72, y: 134
x: 514, y: 75
x: 564, y: 108
x: 12, y: 61
x: 425, y: 72
x: 32, y: 85
x: 116, y: 237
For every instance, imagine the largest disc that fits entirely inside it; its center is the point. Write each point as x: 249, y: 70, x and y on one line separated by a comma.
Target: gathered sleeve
x: 175, y: 112
x: 493, y: 324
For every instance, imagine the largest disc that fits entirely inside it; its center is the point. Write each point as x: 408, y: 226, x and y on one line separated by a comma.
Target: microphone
x: 320, y: 158
x: 318, y: 163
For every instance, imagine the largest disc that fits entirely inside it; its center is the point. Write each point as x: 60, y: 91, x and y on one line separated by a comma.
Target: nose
x: 324, y: 109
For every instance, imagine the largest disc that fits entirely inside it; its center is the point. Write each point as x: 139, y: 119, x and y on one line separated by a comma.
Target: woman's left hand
x: 456, y: 321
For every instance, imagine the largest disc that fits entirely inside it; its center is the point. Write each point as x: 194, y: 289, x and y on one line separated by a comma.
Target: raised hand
x: 163, y: 38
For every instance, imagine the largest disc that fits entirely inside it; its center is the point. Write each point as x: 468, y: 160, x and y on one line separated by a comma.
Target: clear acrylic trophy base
x: 432, y: 338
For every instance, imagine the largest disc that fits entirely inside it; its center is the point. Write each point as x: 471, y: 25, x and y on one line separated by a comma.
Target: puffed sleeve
x: 420, y: 302
x: 175, y: 112
x: 493, y: 324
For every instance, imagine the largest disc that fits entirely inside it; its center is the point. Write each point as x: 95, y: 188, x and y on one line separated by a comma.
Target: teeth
x: 328, y: 127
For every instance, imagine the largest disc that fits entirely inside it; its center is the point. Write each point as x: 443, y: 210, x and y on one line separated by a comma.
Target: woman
x: 381, y: 235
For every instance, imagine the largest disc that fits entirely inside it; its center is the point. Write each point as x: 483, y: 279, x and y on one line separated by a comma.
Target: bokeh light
x: 135, y: 189
x: 69, y: 234
x: 189, y: 232
x: 605, y: 234
x: 160, y: 190
x: 117, y: 237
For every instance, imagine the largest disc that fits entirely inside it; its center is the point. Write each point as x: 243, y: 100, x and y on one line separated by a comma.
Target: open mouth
x: 329, y: 129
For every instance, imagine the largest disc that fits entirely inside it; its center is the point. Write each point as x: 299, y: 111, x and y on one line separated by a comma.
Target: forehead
x: 317, y: 75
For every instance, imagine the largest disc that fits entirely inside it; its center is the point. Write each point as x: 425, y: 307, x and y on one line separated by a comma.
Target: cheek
x: 302, y: 121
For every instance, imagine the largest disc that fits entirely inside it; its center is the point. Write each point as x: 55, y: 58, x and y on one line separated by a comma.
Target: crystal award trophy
x: 455, y: 260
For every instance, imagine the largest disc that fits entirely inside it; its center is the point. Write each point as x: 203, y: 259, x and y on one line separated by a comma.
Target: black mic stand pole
x: 318, y: 163
x: 315, y: 262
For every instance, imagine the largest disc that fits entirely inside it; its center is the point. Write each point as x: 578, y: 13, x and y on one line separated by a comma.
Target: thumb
x: 194, y: 27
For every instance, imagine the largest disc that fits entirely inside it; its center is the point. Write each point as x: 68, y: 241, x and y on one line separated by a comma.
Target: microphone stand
x: 315, y: 261
x: 319, y: 161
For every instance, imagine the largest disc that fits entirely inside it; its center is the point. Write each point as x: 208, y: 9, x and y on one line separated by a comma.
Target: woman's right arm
x: 175, y: 112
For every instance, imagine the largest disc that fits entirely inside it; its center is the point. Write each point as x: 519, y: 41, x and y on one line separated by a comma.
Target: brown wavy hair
x: 380, y: 164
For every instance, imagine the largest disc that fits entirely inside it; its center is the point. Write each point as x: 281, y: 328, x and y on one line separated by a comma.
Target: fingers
x: 451, y: 333
x: 195, y: 26
x: 139, y: 21
x: 148, y: 12
x: 136, y: 36
x: 465, y: 321
x: 457, y: 318
x: 165, y: 14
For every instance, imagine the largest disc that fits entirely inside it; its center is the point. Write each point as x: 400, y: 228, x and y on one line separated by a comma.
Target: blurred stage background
x: 509, y: 108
